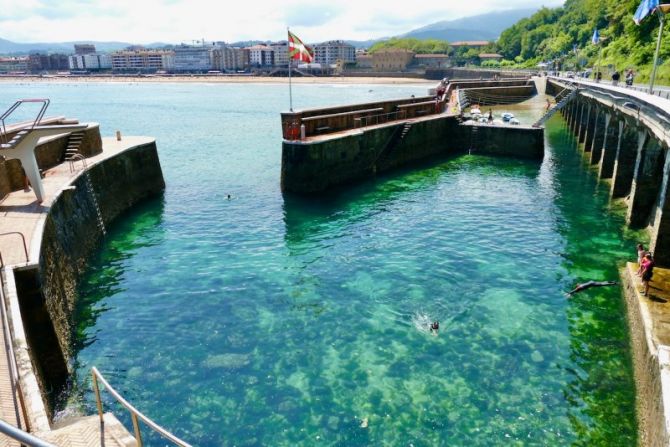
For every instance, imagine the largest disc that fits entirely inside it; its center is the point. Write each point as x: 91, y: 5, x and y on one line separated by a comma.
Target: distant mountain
x: 15, y: 48
x: 481, y: 27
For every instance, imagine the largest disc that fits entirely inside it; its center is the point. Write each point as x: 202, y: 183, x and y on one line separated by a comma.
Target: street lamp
x: 662, y: 10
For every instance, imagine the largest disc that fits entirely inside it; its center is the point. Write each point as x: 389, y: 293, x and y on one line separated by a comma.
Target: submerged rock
x: 227, y: 361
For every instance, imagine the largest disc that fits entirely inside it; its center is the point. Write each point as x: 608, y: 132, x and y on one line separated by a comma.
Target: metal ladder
x: 562, y: 103
x: 89, y: 184
x: 474, y: 139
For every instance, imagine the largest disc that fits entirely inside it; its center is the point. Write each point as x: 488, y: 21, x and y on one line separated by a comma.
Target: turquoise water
x: 280, y: 321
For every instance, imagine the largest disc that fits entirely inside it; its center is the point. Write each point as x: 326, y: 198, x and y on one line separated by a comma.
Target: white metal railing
x: 26, y: 439
x: 135, y: 414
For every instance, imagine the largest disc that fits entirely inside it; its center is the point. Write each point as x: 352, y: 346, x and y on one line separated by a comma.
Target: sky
x: 176, y: 21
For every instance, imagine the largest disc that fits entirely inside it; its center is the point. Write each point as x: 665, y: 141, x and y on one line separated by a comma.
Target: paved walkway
x: 20, y: 214
x: 656, y: 307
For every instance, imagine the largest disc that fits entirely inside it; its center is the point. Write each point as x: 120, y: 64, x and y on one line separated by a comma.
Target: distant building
x: 490, y: 57
x: 392, y: 59
x: 89, y: 61
x: 280, y: 53
x: 142, y: 60
x: 363, y: 60
x: 84, y: 48
x: 192, y: 58
x: 469, y: 44
x: 230, y: 59
x: 328, y: 53
x: 13, y: 64
x: 38, y: 62
x: 432, y: 60
x: 261, y: 56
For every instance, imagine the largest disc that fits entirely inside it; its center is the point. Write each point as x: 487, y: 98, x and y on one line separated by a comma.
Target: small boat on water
x: 506, y: 116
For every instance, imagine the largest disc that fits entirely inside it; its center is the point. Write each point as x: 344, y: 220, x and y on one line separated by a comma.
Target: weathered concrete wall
x: 71, y: 232
x: 650, y: 411
x: 314, y: 166
x: 471, y: 73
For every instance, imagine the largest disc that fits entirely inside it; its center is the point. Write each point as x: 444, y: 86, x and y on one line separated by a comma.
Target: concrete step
x: 88, y: 431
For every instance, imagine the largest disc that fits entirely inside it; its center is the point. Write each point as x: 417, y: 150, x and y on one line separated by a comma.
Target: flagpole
x: 661, y: 18
x: 290, y: 85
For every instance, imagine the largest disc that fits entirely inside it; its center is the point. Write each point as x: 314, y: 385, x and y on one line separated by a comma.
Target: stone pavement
x: 656, y: 307
x: 21, y: 213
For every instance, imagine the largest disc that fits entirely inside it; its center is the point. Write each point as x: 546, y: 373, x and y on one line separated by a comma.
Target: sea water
x: 275, y: 320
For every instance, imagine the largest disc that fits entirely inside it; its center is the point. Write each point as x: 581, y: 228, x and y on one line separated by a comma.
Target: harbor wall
x: 313, y: 166
x: 648, y: 368
x: 71, y: 231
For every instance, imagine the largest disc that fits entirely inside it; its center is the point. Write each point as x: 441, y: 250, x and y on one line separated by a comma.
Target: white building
x: 192, y: 58
x: 327, y: 53
x: 261, y: 56
x: 90, y: 61
x: 142, y: 60
x: 281, y: 53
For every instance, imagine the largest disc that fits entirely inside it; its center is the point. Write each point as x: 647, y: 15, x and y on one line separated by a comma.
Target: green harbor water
x: 271, y: 320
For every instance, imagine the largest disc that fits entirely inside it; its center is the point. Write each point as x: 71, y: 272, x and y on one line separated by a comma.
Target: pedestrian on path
x: 640, y: 257
x: 647, y: 272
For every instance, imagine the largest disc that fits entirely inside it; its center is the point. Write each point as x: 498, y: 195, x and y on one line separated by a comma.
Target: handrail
x: 135, y: 414
x: 23, y: 239
x: 3, y: 128
x: 21, y: 436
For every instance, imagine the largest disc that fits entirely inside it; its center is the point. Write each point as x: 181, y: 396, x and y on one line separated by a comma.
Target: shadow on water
x: 137, y: 229
x: 601, y: 390
x: 306, y: 216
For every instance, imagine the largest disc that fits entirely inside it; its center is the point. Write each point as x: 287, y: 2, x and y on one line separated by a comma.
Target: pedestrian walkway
x: 655, y: 308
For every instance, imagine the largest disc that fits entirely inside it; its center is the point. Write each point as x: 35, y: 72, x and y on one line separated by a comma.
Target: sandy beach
x: 213, y: 79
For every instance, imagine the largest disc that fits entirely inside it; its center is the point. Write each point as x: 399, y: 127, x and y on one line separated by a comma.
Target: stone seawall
x: 652, y: 424
x: 71, y: 232
x: 315, y: 165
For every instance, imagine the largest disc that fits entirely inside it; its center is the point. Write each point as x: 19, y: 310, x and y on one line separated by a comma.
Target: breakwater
x: 66, y: 229
x: 328, y: 147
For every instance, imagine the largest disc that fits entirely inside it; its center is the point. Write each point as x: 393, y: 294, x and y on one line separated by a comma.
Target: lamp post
x: 662, y: 10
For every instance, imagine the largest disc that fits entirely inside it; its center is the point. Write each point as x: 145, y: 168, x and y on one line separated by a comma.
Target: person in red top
x: 647, y: 272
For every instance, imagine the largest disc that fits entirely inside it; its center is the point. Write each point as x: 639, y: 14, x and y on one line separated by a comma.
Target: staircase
x: 73, y: 145
x: 396, y: 137
x: 16, y: 139
x: 562, y: 103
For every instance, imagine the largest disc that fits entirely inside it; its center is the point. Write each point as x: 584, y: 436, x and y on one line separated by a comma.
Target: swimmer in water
x: 434, y: 327
x: 590, y: 284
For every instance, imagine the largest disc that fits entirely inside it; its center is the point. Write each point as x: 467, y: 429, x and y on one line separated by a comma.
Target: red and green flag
x: 298, y: 50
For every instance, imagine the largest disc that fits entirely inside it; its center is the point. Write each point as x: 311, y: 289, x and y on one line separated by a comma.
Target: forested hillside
x: 551, y: 34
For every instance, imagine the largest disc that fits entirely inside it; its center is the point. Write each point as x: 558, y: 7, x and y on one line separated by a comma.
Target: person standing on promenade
x: 647, y: 272
x: 490, y: 120
x: 640, y: 257
x: 630, y: 76
x: 615, y: 77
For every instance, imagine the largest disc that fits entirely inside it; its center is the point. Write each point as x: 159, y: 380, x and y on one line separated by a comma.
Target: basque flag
x: 646, y: 7
x: 596, y: 37
x: 298, y: 50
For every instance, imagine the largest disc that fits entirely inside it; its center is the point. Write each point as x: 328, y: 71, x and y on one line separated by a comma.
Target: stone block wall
x: 71, y: 232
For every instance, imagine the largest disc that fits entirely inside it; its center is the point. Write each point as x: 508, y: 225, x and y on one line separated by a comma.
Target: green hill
x: 552, y: 33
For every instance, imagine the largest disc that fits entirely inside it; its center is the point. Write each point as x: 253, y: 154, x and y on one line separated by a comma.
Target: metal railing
x: 135, y: 414
x: 380, y: 118
x: 24, y: 438
x: 3, y: 128
x: 77, y: 157
x: 25, y: 246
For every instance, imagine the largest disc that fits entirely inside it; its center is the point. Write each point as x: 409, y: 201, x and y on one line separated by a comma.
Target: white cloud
x: 145, y: 21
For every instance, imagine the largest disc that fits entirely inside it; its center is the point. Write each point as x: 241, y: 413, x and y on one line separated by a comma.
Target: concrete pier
x: 612, y: 134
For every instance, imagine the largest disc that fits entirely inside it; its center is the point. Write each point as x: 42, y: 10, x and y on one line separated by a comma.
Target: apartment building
x: 392, y: 59
x: 38, y: 62
x: 280, y: 53
x: 142, y: 60
x: 230, y: 58
x: 195, y: 58
x: 328, y: 53
x: 261, y: 56
x: 90, y: 61
x: 13, y: 64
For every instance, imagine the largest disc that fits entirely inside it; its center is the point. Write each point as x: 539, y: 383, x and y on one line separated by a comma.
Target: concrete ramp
x: 540, y: 84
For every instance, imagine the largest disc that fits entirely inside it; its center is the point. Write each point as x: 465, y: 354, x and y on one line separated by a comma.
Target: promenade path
x: 21, y: 213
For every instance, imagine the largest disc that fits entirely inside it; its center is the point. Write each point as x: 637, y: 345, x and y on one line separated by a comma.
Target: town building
x: 90, y: 61
x: 328, y: 53
x: 230, y: 58
x: 84, y: 48
x: 432, y: 60
x: 194, y: 58
x: 38, y: 62
x: 490, y: 57
x: 13, y: 64
x: 261, y: 56
x: 469, y: 44
x: 280, y: 53
x: 392, y: 59
x: 142, y: 60
x: 363, y: 60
